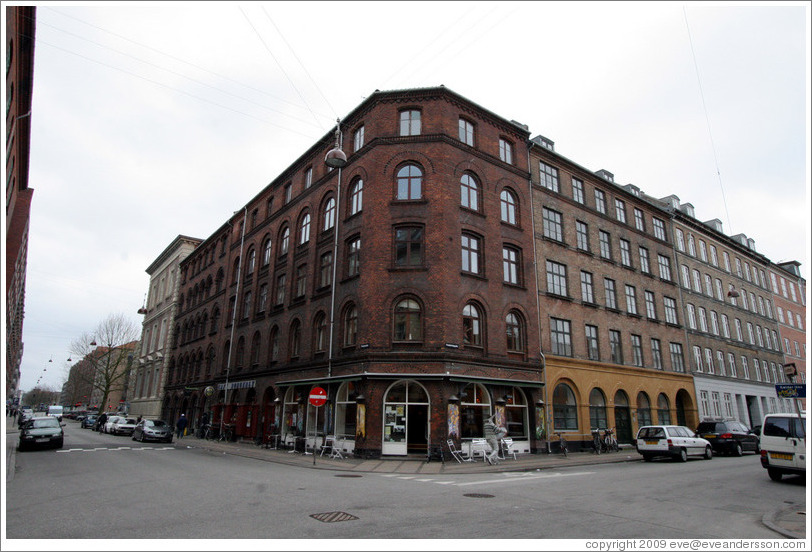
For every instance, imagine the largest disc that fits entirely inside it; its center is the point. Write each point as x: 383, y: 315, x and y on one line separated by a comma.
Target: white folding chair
x: 507, y: 448
x: 456, y: 453
x: 337, y: 447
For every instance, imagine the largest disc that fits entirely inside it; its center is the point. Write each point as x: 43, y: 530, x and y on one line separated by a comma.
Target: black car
x: 729, y: 437
x: 44, y: 431
x: 89, y: 421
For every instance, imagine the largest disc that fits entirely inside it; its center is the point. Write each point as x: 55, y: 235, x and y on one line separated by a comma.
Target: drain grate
x: 347, y: 475
x: 478, y: 495
x: 333, y: 517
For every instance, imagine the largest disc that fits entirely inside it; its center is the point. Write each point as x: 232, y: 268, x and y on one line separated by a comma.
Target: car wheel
x: 774, y: 474
x: 682, y: 456
x: 708, y: 453
x: 738, y: 450
x: 21, y: 447
x: 758, y: 449
x: 647, y: 458
x: 60, y: 444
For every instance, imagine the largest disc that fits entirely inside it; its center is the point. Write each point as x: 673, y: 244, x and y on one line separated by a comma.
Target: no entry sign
x: 318, y: 396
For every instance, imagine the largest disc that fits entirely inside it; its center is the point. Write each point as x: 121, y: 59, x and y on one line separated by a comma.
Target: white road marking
x: 503, y: 480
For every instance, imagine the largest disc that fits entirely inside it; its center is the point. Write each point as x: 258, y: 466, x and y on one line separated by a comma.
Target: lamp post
x: 337, y: 159
x: 234, y: 314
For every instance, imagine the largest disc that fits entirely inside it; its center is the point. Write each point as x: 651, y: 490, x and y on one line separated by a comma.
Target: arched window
x: 320, y: 333
x: 210, y: 360
x: 328, y: 215
x: 295, y: 339
x: 508, y: 204
x: 469, y: 192
x: 350, y: 325
x: 472, y: 331
x: 284, y: 241
x: 408, y: 321
x: 215, y: 318
x: 273, y: 345
x: 356, y: 196
x: 516, y: 416
x: 266, y: 251
x: 252, y: 261
x: 235, y: 271
x: 597, y: 409
x: 514, y: 326
x: 304, y: 229
x: 643, y: 409
x: 226, y: 347
x: 346, y: 410
x: 565, y: 411
x: 663, y: 410
x: 240, y: 357
x: 475, y: 408
x: 255, y: 347
x: 409, y: 183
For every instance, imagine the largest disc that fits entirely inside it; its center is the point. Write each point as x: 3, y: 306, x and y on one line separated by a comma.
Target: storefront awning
x: 237, y: 385
x: 388, y: 375
x: 499, y: 381
x: 313, y: 381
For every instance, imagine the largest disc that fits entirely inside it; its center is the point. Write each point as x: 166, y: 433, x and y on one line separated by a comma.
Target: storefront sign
x: 237, y: 385
x: 791, y: 390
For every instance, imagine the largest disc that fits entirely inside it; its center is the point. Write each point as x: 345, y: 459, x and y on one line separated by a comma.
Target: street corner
x: 789, y: 521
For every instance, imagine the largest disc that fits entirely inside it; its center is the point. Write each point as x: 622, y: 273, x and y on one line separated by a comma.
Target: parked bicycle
x: 597, y: 443
x: 609, y: 440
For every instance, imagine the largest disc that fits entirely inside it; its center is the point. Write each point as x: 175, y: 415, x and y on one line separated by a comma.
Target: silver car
x: 152, y: 430
x: 677, y: 442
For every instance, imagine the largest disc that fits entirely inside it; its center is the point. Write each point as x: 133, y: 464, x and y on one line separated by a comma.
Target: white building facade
x: 149, y: 369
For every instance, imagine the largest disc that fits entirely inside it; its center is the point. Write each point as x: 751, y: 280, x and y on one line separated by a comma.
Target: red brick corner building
x: 403, y: 284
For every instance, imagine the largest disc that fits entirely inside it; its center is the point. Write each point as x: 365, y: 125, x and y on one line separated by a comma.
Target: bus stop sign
x: 318, y: 396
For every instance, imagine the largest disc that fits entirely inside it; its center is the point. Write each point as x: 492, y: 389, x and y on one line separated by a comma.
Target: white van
x: 783, y: 445
x: 55, y: 410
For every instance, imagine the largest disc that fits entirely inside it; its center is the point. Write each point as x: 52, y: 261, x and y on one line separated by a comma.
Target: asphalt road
x: 109, y: 487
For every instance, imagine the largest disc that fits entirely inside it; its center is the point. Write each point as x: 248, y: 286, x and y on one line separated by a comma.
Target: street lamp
x: 335, y: 159
x: 234, y: 314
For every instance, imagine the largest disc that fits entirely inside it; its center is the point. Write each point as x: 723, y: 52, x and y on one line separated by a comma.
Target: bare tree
x: 108, y: 353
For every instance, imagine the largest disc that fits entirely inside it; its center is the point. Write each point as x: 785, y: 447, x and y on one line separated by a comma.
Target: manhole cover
x: 348, y: 475
x: 332, y: 517
x: 478, y: 495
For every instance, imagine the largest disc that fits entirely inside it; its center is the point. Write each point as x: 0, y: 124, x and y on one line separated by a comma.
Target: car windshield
x: 711, y: 427
x: 129, y: 421
x: 651, y: 433
x: 156, y: 423
x: 50, y: 422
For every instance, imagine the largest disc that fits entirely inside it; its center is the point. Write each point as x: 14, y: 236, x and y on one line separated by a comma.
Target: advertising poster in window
x: 360, y: 419
x: 453, y: 420
x: 541, y: 424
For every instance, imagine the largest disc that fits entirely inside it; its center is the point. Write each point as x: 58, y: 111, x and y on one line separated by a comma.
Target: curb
x: 789, y: 521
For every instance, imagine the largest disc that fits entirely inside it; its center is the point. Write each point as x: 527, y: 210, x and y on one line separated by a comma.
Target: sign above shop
x: 237, y: 385
x: 318, y: 396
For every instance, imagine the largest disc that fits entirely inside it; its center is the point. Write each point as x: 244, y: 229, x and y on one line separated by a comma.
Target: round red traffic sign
x: 318, y: 396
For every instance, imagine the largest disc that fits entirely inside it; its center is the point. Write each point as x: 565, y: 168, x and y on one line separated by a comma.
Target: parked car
x: 41, y: 431
x: 89, y: 421
x: 152, y: 430
x: 783, y: 445
x: 677, y: 442
x: 728, y: 436
x: 108, y: 425
x: 123, y: 426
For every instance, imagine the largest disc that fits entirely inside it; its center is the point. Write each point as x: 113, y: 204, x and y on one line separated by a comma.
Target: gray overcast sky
x: 151, y: 120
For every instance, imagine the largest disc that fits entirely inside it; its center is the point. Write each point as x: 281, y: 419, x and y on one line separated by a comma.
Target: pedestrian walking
x: 181, y: 425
